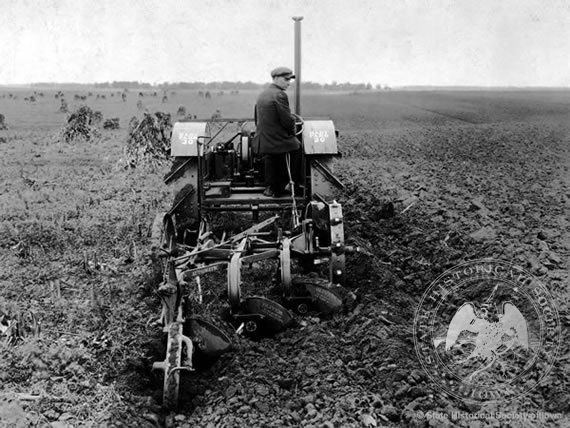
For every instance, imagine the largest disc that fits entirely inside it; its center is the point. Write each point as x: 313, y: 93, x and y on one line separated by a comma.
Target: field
x: 471, y: 174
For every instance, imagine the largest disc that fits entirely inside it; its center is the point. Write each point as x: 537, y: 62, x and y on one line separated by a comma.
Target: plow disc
x: 315, y: 294
x: 324, y: 298
x: 208, y: 338
x: 261, y: 316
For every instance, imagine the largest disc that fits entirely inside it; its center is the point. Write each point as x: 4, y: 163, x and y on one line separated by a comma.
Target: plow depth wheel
x: 172, y: 366
x: 168, y: 240
x: 234, y: 282
x: 234, y: 277
x: 163, y: 236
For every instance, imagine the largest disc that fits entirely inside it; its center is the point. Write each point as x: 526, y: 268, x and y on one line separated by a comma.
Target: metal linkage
x: 337, y: 248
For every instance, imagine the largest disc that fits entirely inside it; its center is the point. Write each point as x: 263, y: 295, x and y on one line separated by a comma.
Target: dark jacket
x: 275, y: 125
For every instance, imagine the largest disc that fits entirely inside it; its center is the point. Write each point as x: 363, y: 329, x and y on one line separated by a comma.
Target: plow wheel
x: 171, y: 366
x: 234, y: 282
x: 168, y: 241
x: 163, y: 237
x: 234, y: 278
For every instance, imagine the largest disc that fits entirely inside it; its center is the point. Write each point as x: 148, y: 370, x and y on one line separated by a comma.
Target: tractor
x: 217, y: 169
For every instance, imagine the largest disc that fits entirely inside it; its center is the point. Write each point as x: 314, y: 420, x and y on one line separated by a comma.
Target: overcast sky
x: 394, y: 42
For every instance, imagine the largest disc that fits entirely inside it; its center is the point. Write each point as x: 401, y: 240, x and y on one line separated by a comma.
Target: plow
x: 217, y: 173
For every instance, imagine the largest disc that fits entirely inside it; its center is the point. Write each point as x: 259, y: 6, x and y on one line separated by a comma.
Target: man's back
x: 275, y: 125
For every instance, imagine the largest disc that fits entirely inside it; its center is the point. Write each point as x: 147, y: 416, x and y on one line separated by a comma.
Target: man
x: 275, y: 133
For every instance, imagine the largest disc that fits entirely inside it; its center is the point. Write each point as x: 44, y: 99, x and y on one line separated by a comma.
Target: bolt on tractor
x: 217, y: 168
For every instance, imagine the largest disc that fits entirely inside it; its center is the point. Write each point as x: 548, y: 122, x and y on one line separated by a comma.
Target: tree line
x: 228, y: 85
x: 210, y: 86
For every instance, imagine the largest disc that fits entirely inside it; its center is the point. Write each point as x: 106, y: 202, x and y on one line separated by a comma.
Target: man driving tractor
x: 275, y: 135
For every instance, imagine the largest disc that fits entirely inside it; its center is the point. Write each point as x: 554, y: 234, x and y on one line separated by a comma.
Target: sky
x: 387, y: 42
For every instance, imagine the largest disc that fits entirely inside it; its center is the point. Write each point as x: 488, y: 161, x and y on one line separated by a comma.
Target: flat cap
x: 282, y: 71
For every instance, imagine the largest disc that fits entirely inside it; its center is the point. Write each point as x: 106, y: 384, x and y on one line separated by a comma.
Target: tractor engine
x: 222, y: 162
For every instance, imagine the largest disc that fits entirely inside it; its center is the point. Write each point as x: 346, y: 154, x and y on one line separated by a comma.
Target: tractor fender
x: 187, y: 138
x: 319, y: 137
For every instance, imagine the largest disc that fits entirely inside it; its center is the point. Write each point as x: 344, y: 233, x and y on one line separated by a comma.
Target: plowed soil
x: 469, y: 174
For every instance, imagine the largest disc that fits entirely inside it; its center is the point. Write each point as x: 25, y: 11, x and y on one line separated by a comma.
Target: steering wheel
x: 299, y: 123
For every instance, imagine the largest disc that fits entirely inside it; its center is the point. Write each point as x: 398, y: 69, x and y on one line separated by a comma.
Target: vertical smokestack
x: 298, y: 20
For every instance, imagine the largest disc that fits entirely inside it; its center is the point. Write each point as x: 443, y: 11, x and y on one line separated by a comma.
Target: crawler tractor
x: 217, y: 168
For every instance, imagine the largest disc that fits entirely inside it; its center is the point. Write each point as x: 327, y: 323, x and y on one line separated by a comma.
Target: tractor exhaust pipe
x: 297, y: 20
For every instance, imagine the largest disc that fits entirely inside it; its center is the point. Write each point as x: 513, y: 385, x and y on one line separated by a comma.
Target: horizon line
x: 374, y: 87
